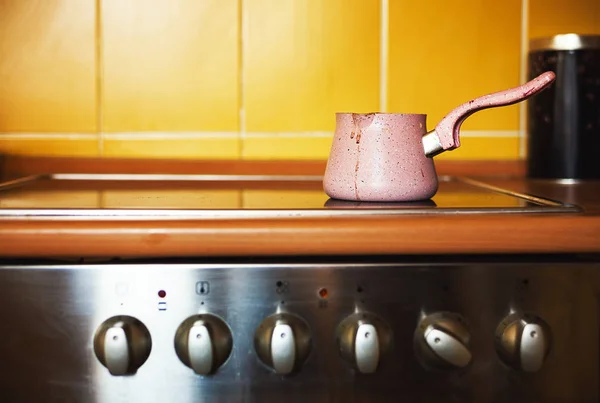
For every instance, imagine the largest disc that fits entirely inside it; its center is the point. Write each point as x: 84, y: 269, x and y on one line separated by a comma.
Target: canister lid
x: 565, y: 42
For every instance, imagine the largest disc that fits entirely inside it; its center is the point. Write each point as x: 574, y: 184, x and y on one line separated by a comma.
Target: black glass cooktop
x: 217, y: 196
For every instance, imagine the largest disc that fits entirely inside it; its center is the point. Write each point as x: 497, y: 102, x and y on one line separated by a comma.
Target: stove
x: 296, y: 329
x: 231, y: 196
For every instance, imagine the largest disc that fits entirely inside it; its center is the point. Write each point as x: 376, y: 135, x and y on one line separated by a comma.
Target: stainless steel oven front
x: 387, y: 330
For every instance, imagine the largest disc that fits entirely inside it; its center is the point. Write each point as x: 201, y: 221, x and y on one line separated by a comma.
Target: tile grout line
x: 523, y: 74
x: 165, y: 136
x: 383, y: 54
x: 99, y: 77
x: 242, y: 27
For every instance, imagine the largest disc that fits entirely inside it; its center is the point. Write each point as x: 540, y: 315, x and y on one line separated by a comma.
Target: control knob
x: 283, y: 342
x: 122, y: 344
x: 442, y: 341
x: 523, y: 341
x: 203, y: 343
x: 363, y: 338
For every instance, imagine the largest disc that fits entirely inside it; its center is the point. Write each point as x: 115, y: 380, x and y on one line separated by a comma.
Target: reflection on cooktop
x: 199, y: 192
x: 342, y: 204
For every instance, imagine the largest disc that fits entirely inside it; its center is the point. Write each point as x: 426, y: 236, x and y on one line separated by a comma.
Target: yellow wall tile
x: 443, y: 53
x: 286, y: 147
x: 47, y: 66
x: 306, y: 60
x: 57, y: 146
x: 484, y: 148
x: 170, y: 65
x: 173, y: 66
x: 552, y: 17
x: 307, y: 148
x: 172, y: 147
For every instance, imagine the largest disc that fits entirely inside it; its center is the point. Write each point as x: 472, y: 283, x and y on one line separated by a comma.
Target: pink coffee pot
x: 388, y: 157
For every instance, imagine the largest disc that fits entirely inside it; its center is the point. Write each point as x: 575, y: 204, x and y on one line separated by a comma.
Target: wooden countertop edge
x: 310, y: 236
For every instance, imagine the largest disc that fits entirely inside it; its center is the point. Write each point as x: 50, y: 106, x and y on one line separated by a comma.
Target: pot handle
x: 445, y: 136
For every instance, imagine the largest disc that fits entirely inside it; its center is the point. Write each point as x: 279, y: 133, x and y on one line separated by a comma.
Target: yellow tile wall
x: 552, y: 17
x: 259, y: 79
x: 305, y: 60
x: 459, y: 50
x: 169, y: 66
x: 447, y: 53
x: 47, y: 66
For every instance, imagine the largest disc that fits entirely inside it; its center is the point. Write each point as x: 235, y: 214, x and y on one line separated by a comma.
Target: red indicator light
x: 162, y: 293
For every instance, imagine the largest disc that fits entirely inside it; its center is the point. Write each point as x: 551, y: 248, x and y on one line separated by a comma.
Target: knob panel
x: 523, y: 341
x: 122, y: 344
x: 363, y: 339
x: 203, y: 343
x: 442, y: 341
x: 283, y: 342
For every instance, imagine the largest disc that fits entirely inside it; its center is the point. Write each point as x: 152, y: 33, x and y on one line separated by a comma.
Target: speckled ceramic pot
x: 388, y: 157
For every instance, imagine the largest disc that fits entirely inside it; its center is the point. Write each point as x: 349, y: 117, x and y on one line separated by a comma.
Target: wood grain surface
x: 381, y: 235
